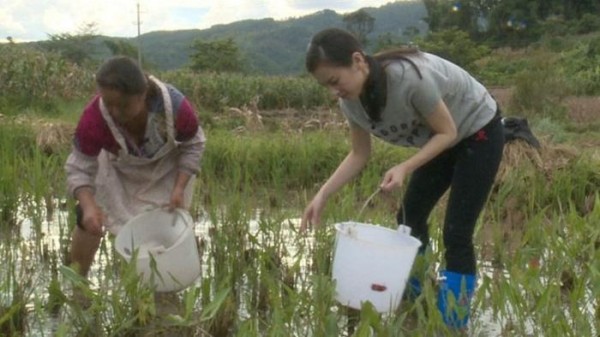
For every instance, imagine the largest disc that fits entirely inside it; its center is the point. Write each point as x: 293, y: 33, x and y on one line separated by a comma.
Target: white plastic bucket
x: 372, y: 263
x: 168, y: 239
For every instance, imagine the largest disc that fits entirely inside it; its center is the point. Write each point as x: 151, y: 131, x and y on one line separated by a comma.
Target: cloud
x: 9, y: 24
x: 35, y: 19
x: 313, y: 5
x: 227, y: 11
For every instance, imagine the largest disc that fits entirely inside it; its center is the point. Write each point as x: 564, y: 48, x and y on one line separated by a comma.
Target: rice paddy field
x: 538, y: 239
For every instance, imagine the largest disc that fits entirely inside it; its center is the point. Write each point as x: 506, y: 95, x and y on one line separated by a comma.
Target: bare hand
x: 394, y: 178
x: 312, y: 213
x: 93, y: 220
x: 176, y: 200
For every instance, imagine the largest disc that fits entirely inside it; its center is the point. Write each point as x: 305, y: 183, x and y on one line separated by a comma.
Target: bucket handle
x: 402, y: 228
x: 362, y: 209
x: 180, y: 212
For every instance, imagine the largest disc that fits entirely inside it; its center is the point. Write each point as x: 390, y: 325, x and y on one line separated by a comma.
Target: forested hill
x: 275, y: 47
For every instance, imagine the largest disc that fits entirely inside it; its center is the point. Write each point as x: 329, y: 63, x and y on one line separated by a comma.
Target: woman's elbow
x: 453, y: 134
x: 362, y: 156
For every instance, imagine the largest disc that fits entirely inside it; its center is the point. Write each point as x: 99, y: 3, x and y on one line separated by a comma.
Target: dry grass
x: 580, y: 109
x: 502, y: 95
x: 583, y: 109
x: 549, y: 158
x: 53, y: 137
x: 518, y: 155
x: 252, y: 117
x: 289, y: 120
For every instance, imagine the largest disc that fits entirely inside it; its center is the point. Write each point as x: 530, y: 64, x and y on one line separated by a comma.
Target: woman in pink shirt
x: 137, y: 145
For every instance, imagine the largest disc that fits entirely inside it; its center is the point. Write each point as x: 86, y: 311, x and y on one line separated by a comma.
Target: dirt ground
x: 581, y: 109
x: 52, y: 135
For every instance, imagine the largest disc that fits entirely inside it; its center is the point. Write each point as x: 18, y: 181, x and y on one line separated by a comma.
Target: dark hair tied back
x: 374, y: 94
x: 123, y: 74
x: 332, y: 46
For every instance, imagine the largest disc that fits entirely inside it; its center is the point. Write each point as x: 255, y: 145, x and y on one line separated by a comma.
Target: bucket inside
x: 167, y: 237
x: 153, y: 232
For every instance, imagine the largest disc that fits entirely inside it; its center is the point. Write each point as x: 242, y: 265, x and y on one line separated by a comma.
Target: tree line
x: 461, y: 30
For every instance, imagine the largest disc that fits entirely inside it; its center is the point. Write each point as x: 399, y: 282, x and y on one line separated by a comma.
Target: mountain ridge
x: 272, y: 46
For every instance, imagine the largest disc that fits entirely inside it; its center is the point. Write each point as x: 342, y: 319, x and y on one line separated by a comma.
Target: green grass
x: 538, y: 239
x: 263, y: 278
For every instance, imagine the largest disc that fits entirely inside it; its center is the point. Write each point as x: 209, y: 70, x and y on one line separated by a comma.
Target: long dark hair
x: 123, y: 74
x: 398, y: 54
x: 335, y: 47
x: 332, y: 46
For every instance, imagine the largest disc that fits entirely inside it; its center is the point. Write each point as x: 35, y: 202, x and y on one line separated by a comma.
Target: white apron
x: 127, y: 185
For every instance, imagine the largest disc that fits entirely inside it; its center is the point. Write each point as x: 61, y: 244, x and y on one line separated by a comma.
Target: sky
x: 34, y: 20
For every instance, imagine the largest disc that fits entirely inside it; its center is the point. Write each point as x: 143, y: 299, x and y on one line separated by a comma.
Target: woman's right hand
x: 93, y: 220
x: 312, y: 213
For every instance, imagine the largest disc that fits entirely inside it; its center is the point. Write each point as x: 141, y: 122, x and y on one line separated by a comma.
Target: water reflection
x: 38, y: 241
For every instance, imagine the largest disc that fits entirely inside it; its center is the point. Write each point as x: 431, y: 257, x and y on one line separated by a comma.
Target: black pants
x: 468, y: 169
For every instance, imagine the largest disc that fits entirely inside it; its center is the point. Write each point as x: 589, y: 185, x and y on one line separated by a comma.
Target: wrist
x: 408, y: 166
x: 323, y: 194
x: 177, y: 189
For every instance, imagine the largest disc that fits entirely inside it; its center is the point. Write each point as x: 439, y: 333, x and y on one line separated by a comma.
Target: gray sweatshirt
x: 411, y: 98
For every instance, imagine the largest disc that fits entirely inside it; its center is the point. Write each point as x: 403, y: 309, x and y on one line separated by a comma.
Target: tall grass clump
x: 284, y: 161
x: 540, y: 90
x: 13, y: 145
x: 15, y: 292
x: 34, y: 78
x: 548, y: 181
x: 215, y: 92
x: 582, y: 67
x: 32, y: 179
x: 500, y: 67
x: 551, y: 277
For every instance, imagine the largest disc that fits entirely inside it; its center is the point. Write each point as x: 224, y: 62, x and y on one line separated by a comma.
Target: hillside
x: 274, y: 47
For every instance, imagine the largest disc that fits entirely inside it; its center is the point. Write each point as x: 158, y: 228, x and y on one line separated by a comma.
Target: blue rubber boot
x: 454, y: 298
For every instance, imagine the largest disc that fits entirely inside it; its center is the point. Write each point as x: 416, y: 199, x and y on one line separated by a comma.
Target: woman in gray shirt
x: 412, y: 98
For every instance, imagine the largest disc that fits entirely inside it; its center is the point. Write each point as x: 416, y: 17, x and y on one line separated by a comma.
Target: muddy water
x: 33, y: 248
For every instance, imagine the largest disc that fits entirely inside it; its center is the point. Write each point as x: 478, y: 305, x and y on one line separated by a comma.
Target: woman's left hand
x: 176, y: 199
x: 394, y: 177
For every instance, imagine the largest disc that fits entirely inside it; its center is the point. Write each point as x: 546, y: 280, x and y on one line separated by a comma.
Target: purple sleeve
x: 92, y: 133
x: 186, y: 122
x: 191, y: 138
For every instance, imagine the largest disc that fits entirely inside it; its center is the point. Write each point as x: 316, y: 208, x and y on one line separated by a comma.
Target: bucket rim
x: 415, y: 243
x: 135, y: 221
x: 158, y: 210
